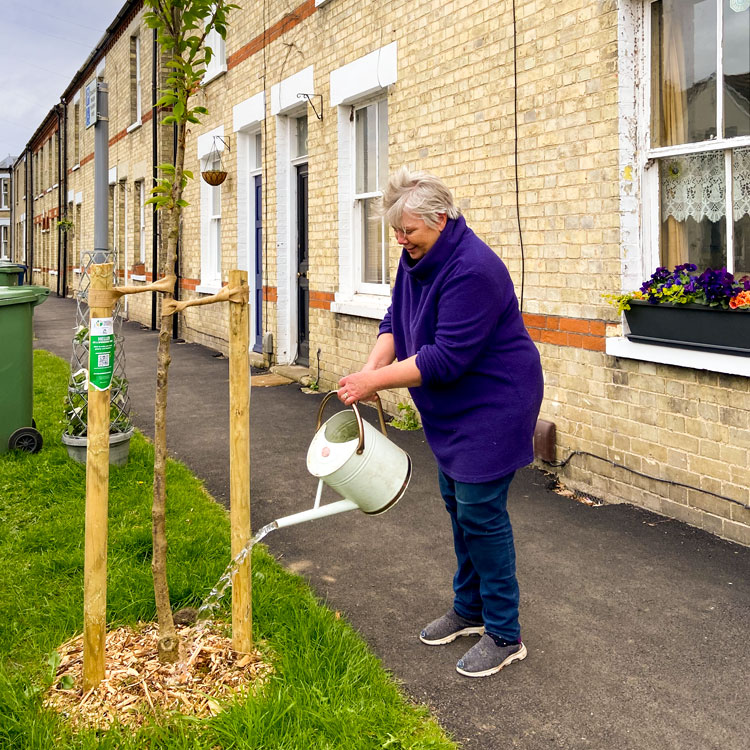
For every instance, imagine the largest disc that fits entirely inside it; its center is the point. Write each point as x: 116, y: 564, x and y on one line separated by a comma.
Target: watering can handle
x: 381, y: 417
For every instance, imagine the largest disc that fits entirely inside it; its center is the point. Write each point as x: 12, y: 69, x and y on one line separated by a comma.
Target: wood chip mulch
x: 137, y: 686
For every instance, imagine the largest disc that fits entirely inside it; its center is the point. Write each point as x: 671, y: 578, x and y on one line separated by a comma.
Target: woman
x: 455, y: 337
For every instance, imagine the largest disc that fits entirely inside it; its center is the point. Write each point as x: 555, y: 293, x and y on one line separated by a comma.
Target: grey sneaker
x: 448, y: 627
x: 486, y: 657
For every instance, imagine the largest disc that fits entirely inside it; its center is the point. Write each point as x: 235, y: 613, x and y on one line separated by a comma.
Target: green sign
x: 101, y: 353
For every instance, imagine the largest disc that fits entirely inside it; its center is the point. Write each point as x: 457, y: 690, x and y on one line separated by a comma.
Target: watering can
x: 362, y: 465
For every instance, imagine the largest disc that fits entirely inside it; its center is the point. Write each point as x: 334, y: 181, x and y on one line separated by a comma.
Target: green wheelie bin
x: 10, y: 273
x: 16, y: 367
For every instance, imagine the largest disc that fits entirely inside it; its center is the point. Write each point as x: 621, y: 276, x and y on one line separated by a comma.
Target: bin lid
x: 6, y: 267
x: 18, y: 295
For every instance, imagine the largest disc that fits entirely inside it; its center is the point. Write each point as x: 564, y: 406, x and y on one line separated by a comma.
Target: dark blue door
x: 258, y: 296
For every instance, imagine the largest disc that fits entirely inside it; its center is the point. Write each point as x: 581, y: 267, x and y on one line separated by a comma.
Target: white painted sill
x: 361, y: 305
x: 137, y: 277
x: 729, y: 364
x: 208, y: 288
x: 214, y: 74
x: 53, y: 273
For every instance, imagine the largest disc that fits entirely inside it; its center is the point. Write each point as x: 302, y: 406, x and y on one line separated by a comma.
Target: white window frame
x: 356, y: 84
x: 211, y: 256
x: 4, y: 193
x: 218, y: 64
x: 141, y: 220
x: 5, y: 241
x: 652, y: 155
x: 138, y: 99
x: 639, y: 187
x: 361, y: 286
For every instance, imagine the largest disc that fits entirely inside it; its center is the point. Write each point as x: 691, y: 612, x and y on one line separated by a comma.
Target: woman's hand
x: 359, y: 386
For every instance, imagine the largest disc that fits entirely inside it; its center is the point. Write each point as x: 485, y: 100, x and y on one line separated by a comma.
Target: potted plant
x: 65, y: 224
x: 74, y: 435
x: 685, y: 308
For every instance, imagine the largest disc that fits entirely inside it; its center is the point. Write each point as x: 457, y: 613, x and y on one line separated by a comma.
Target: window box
x: 689, y: 326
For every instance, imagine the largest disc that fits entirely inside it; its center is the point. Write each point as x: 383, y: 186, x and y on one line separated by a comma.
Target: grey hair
x: 419, y: 193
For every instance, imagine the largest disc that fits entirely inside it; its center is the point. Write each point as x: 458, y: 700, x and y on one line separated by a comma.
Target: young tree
x: 181, y: 27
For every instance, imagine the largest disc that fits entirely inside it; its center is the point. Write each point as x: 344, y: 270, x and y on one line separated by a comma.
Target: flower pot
x: 119, y: 447
x: 690, y: 327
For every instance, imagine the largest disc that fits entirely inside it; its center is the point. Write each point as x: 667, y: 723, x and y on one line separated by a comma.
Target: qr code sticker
x: 103, y: 360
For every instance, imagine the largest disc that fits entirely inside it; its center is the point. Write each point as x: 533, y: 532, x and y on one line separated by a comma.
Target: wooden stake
x: 239, y: 462
x: 97, y: 501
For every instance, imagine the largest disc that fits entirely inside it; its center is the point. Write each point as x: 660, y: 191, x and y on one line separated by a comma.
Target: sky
x: 43, y: 43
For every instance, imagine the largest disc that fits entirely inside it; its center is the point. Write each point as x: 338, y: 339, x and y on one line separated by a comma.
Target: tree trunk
x: 168, y: 645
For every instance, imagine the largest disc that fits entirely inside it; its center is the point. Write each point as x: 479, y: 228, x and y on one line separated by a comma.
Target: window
x: 370, y: 174
x: 4, y: 197
x: 4, y: 241
x: 77, y: 133
x: 140, y: 191
x: 211, y: 225
x: 698, y: 178
x: 51, y: 155
x: 135, y: 79
x: 218, y: 62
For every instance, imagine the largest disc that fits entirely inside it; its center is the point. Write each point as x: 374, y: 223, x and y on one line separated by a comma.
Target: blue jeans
x: 485, y: 584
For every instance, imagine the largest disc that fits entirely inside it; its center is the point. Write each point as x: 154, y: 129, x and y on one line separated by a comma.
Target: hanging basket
x: 214, y: 176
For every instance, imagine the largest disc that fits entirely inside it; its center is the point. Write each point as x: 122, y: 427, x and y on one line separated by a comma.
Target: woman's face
x: 415, y: 236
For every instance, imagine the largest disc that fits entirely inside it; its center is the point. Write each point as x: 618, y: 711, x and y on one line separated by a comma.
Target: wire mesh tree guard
x: 76, y: 402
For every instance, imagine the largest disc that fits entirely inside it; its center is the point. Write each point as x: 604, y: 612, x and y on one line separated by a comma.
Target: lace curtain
x: 694, y: 186
x: 741, y: 182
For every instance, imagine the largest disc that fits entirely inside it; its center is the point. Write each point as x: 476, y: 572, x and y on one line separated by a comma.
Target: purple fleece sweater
x: 482, y: 382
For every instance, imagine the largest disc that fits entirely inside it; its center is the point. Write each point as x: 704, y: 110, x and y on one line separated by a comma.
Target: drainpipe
x: 155, y: 174
x: 60, y: 233
x: 30, y: 216
x: 64, y: 195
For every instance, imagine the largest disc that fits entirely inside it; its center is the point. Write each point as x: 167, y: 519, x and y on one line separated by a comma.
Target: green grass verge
x: 328, y: 690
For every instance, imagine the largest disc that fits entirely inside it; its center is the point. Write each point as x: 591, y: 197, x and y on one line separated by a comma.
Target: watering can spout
x: 320, y: 511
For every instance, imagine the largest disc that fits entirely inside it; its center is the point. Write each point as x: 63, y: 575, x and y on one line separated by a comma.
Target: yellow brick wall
x: 451, y: 111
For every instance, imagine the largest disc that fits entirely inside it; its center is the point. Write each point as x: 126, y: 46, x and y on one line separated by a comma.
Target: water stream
x: 212, y: 602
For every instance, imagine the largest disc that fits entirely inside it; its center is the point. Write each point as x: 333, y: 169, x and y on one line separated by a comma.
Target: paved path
x: 636, y: 626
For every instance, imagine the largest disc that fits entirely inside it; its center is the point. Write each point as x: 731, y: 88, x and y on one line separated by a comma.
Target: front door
x: 303, y: 286
x: 257, y: 334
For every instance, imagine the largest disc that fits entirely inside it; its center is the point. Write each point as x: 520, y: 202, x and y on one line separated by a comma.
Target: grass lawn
x: 328, y: 691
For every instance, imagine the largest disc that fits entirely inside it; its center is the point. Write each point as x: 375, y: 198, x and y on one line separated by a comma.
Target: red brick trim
x: 321, y: 300
x: 119, y: 136
x: 189, y: 284
x: 269, y: 294
x: 577, y: 332
x: 289, y: 21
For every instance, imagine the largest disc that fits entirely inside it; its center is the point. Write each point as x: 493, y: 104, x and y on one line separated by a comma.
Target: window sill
x: 729, y: 364
x: 53, y: 273
x: 214, y: 74
x: 137, y: 124
x: 208, y: 288
x: 137, y: 277
x: 361, y: 305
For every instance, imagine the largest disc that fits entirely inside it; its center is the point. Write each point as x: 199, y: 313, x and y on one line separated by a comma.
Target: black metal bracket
x: 225, y: 142
x: 319, y: 115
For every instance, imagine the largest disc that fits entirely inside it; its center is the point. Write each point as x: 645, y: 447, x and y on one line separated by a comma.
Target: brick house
x: 6, y: 193
x: 554, y: 124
